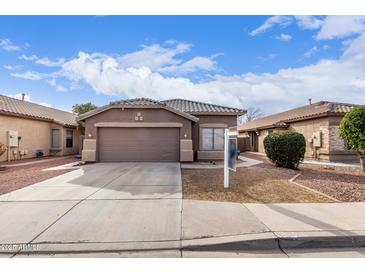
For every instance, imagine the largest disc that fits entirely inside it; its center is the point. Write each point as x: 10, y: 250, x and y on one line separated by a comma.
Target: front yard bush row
x: 285, y: 149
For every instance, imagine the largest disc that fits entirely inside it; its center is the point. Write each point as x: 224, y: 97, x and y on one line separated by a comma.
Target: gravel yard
x: 13, y: 178
x: 259, y: 184
x: 343, y: 184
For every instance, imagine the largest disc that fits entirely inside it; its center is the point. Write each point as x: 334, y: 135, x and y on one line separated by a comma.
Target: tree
x: 252, y: 114
x: 352, y: 130
x: 81, y: 109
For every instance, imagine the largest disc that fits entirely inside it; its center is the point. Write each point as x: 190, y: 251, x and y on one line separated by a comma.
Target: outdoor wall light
x: 185, y: 135
x: 89, y: 135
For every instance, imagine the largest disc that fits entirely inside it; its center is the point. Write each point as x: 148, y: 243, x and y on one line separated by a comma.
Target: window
x: 55, y: 138
x: 69, y: 138
x: 212, y: 139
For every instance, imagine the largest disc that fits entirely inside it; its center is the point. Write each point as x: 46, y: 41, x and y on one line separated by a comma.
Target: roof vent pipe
x: 310, y: 101
x: 23, y: 96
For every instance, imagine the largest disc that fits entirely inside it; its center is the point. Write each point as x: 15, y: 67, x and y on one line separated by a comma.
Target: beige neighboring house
x: 26, y: 128
x: 318, y: 122
x: 143, y: 129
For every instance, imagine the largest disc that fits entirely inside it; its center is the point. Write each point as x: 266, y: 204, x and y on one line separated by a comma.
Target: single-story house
x: 318, y: 122
x: 143, y: 129
x: 26, y: 128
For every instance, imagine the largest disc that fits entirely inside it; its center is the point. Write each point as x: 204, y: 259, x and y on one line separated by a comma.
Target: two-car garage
x: 150, y: 144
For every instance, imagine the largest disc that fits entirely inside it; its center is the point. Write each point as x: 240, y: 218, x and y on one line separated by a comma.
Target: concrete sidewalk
x: 221, y: 226
x: 137, y: 210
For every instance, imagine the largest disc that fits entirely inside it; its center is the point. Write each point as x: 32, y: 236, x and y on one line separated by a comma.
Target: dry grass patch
x: 247, y: 185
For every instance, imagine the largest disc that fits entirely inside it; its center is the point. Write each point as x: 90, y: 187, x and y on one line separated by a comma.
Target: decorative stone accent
x: 89, y: 144
x: 325, y: 138
x: 186, y: 150
x: 336, y: 142
x: 89, y: 150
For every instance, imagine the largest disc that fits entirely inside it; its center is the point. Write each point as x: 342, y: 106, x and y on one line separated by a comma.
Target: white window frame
x: 58, y: 138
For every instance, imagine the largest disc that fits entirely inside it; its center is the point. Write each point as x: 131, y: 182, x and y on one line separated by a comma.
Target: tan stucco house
x: 318, y: 122
x: 148, y: 130
x: 26, y: 128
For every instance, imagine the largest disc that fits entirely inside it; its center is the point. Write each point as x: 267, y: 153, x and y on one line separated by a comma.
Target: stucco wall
x: 35, y: 135
x: 308, y: 127
x: 332, y: 146
x: 261, y: 137
x: 76, y: 142
x: 128, y: 115
x: 229, y: 120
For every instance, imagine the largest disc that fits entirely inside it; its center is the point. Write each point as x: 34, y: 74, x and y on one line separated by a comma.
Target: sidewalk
x: 222, y: 226
x: 245, y: 162
x: 32, y: 161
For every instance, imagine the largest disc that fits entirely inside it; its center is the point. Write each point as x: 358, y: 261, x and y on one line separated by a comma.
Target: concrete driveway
x: 99, y: 207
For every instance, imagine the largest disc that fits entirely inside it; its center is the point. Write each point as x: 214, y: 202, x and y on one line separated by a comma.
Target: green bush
x: 285, y: 149
x: 352, y: 130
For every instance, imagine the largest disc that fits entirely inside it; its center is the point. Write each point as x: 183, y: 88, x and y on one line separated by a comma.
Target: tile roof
x: 12, y: 106
x: 322, y: 108
x: 195, y: 107
x: 182, y: 107
x: 137, y: 101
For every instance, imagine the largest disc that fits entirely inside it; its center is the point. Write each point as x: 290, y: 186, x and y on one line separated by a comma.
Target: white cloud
x: 154, y: 56
x: 28, y: 58
x: 49, y: 63
x: 329, y: 27
x: 7, y: 45
x: 311, y: 52
x: 45, y: 61
x: 59, y: 87
x: 19, y: 96
x: 45, y: 104
x: 29, y: 75
x: 281, y: 21
x: 192, y: 65
x: 284, y: 37
x: 12, y: 68
x: 309, y: 22
x: 341, y: 26
x: 338, y: 80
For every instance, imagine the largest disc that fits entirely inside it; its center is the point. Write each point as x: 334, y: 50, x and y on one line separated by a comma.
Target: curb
x: 251, y: 242
x: 271, y: 243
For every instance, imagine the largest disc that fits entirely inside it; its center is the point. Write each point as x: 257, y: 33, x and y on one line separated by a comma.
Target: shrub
x: 352, y: 130
x: 285, y: 149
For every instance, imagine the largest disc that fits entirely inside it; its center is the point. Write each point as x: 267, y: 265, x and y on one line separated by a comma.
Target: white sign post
x: 230, y: 154
x: 226, y: 170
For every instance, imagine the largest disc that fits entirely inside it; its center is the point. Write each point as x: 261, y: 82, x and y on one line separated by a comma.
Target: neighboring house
x: 318, y: 122
x: 148, y: 130
x: 26, y: 128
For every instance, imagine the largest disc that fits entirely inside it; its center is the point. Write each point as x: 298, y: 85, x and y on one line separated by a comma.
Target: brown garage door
x: 139, y: 144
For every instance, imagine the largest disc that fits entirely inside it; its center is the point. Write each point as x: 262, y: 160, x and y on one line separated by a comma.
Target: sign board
x: 232, y: 153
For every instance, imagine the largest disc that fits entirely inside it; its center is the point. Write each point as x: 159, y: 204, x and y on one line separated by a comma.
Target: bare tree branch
x: 252, y: 114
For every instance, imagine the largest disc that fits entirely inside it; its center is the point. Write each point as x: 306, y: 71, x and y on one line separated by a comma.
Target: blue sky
x: 270, y: 62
